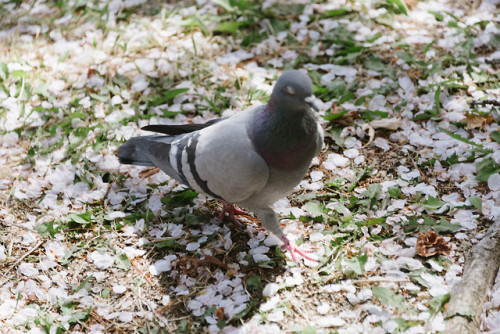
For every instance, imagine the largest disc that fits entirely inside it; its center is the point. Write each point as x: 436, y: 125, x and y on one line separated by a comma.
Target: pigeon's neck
x: 285, y: 140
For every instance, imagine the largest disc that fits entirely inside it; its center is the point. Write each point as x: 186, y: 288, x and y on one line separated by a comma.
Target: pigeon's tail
x: 156, y: 151
x: 133, y: 152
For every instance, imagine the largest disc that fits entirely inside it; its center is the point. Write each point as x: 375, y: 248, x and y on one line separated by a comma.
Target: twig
x: 142, y: 273
x: 19, y: 260
x: 381, y: 279
x: 157, y: 313
x: 467, y: 297
x: 485, y: 102
x: 422, y: 174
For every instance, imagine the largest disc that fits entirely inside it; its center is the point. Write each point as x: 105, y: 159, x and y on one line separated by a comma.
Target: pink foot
x: 231, y: 211
x: 294, y: 249
x: 237, y: 211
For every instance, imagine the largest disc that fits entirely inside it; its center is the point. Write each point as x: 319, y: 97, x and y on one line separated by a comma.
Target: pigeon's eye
x: 289, y: 90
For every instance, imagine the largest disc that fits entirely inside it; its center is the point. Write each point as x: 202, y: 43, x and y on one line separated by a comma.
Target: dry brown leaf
x: 430, y: 243
x: 219, y: 313
x: 148, y: 172
x: 386, y: 123
x: 475, y: 121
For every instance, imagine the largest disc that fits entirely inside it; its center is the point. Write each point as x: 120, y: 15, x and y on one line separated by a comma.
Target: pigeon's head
x: 293, y: 92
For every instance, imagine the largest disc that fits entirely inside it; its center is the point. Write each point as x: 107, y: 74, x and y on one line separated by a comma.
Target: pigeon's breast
x: 287, y: 145
x: 297, y: 155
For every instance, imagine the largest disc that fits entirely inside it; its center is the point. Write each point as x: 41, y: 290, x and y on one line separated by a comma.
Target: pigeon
x: 251, y: 159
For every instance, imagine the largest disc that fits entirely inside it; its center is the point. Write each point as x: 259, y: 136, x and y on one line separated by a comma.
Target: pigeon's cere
x: 251, y: 159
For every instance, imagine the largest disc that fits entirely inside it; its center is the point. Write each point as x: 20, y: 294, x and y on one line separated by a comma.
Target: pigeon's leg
x: 294, y: 249
x: 270, y: 221
x: 231, y: 210
x: 237, y: 211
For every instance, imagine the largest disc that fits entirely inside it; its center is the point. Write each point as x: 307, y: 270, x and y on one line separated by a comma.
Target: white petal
x: 494, y: 182
x: 27, y: 269
x: 192, y: 246
x: 101, y: 260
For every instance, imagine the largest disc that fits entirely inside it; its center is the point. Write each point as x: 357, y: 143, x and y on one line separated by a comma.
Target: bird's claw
x: 294, y: 249
x: 231, y: 211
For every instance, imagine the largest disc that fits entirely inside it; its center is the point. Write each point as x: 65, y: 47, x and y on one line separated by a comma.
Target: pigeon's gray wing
x: 218, y: 160
x: 226, y: 160
x: 178, y: 129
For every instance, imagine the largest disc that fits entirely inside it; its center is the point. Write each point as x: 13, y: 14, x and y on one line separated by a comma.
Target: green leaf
x: 170, y: 243
x: 416, y: 276
x: 336, y: 135
x: 437, y: 102
x: 254, y: 283
x: 360, y: 176
x: 63, y: 56
x: 441, y: 226
x: 307, y: 330
x: 476, y: 202
x: 486, y: 168
x: 226, y: 4
x: 436, y: 304
x: 495, y: 135
x: 375, y: 64
x: 79, y: 316
x: 349, y: 96
x: 427, y: 114
x: 4, y: 71
x: 387, y: 296
x: 401, y: 6
x: 18, y: 74
x: 372, y: 191
x: 458, y: 137
x: 251, y: 304
x: 373, y: 38
x: 357, y: 263
x: 444, y: 226
x: 439, y: 17
x: 83, y: 284
x: 307, y: 196
x: 341, y: 209
x: 336, y: 183
x: 229, y: 27
x: 316, y: 209
x: 172, y: 93
x: 432, y: 203
x: 195, y: 21
x: 337, y: 88
x: 66, y: 306
x: 180, y: 198
x: 370, y: 115
x: 169, y: 114
x: 100, y: 98
x: 395, y: 191
x: 334, y: 13
x: 451, y: 160
x: 123, y: 262
x: 166, y: 97
x: 428, y: 46
x: 69, y: 254
x: 372, y: 221
x: 77, y: 218
x: 105, y: 293
x: 46, y: 228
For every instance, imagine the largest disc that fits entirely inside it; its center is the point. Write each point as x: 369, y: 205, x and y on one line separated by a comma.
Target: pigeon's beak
x: 309, y: 101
